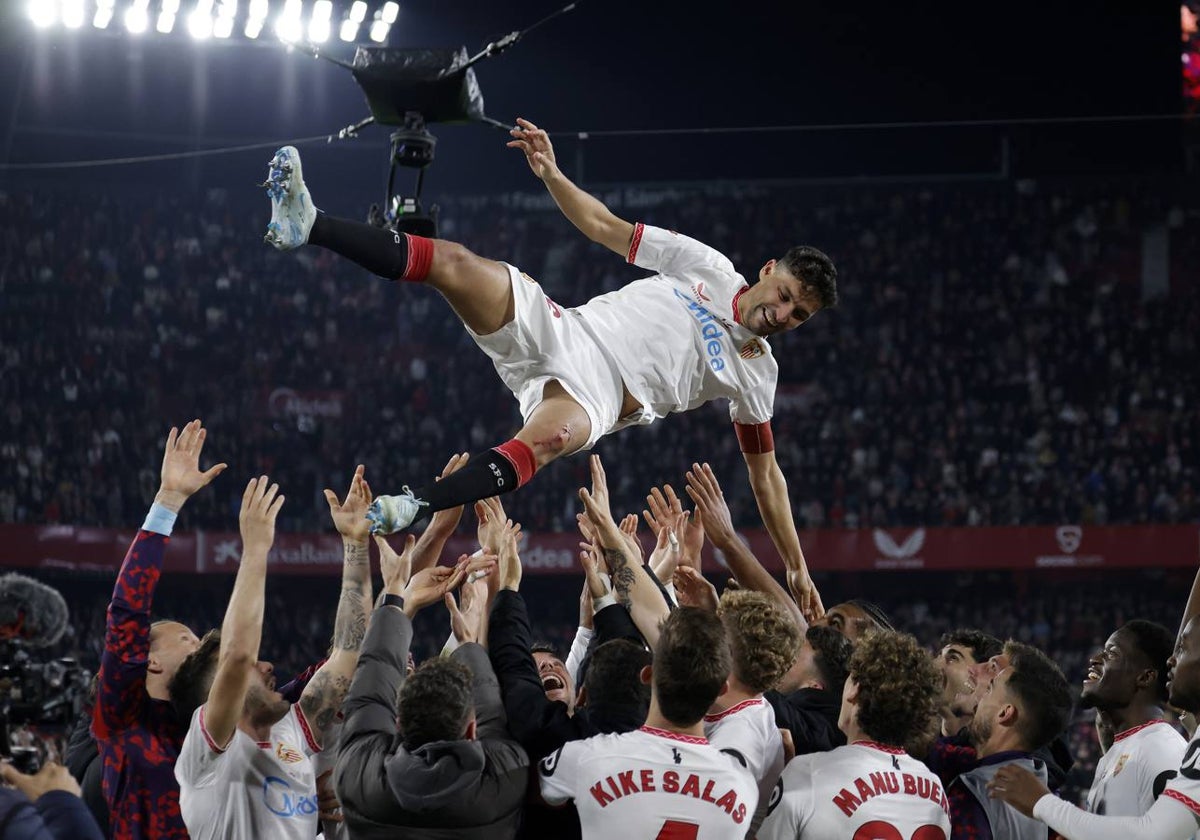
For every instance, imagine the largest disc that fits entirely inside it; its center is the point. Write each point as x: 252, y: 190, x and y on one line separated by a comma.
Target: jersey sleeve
x: 791, y: 803
x: 558, y: 773
x: 668, y: 252
x: 1166, y: 818
x: 755, y: 405
x: 201, y: 758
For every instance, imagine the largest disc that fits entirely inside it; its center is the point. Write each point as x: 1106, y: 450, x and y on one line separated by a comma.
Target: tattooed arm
x: 631, y: 585
x: 322, y: 697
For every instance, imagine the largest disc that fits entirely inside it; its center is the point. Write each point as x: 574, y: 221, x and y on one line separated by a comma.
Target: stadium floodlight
x: 349, y: 31
x: 104, y: 14
x: 253, y: 28
x: 200, y: 22
x: 166, y: 22
x: 318, y: 25
x: 289, y: 26
x: 223, y: 28
x: 43, y: 13
x: 136, y: 17
x: 358, y: 12
x: 379, y: 31
x: 258, y: 15
x: 390, y: 11
x: 72, y: 13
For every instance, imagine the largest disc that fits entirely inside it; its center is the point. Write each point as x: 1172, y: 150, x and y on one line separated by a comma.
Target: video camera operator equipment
x: 34, y: 692
x: 411, y: 88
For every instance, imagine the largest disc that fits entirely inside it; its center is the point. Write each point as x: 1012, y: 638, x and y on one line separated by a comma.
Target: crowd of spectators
x: 992, y: 361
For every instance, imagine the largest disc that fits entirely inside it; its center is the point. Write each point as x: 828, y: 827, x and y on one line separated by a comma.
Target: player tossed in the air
x: 694, y: 332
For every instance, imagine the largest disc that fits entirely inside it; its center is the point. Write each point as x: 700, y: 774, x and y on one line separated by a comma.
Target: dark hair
x: 763, y: 638
x: 983, y: 646
x: 691, y: 664
x: 545, y: 647
x: 1155, y: 644
x: 898, y: 687
x: 435, y: 703
x: 189, y: 687
x: 815, y: 270
x: 874, y: 612
x: 831, y: 655
x: 1043, y: 692
x: 614, y: 676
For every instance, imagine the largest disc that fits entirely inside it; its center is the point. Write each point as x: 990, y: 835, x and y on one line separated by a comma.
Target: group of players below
x: 677, y: 714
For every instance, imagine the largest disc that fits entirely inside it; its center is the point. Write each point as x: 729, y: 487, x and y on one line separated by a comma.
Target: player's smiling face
x: 1111, y: 676
x: 778, y: 302
x: 556, y: 682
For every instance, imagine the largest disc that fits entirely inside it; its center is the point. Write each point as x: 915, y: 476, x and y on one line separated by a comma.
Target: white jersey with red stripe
x: 862, y: 791
x: 651, y: 784
x: 1185, y: 787
x: 1136, y: 769
x: 675, y: 339
x: 748, y: 732
x: 249, y: 789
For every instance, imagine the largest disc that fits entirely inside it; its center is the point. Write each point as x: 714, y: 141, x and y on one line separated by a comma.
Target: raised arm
x: 631, y: 584
x: 585, y: 211
x: 323, y: 695
x: 121, y: 682
x: 241, y: 631
x: 702, y: 486
x: 770, y: 491
x: 428, y: 548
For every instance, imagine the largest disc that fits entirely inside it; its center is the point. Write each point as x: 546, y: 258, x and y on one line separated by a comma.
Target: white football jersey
x: 748, y: 732
x: 674, y: 337
x: 651, y: 783
x: 1136, y: 769
x: 1185, y: 787
x: 249, y: 790
x: 864, y: 790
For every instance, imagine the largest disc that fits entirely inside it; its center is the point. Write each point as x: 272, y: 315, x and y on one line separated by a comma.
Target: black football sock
x: 378, y: 250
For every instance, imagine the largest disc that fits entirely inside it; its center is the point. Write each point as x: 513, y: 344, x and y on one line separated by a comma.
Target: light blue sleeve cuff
x: 159, y: 520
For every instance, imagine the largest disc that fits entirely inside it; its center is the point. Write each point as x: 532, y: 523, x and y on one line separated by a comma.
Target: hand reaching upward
x: 535, y: 143
x: 181, y: 473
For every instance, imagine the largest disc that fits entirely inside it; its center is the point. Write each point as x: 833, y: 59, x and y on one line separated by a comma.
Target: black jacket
x: 83, y: 761
x: 459, y: 789
x: 811, y: 715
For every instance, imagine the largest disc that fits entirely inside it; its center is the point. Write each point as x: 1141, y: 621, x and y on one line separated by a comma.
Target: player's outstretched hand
x: 595, y: 503
x: 1018, y: 787
x: 591, y: 560
x: 801, y: 585
x: 492, y: 521
x: 535, y: 143
x: 705, y: 490
x: 430, y: 585
x: 467, y: 613
x: 260, y: 505
x: 693, y: 590
x: 395, y: 568
x: 350, y: 516
x: 181, y: 476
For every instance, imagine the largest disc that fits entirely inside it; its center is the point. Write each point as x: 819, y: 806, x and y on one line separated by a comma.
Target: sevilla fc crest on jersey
x: 752, y: 349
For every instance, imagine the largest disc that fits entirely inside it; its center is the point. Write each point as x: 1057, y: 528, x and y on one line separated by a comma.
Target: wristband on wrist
x: 390, y: 600
x: 160, y: 520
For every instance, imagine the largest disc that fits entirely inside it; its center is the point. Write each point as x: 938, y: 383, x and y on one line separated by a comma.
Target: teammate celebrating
x: 665, y: 779
x: 870, y: 787
x: 692, y: 333
x: 1127, y: 685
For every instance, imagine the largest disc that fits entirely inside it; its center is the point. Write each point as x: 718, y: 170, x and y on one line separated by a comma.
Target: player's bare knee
x: 450, y: 259
x: 547, y: 447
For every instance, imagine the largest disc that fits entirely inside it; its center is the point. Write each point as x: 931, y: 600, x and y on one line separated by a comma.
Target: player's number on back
x: 678, y: 830
x: 877, y: 830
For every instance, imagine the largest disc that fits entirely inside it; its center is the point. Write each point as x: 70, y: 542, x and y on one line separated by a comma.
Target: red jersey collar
x: 1134, y: 729
x: 737, y: 318
x: 733, y: 710
x: 674, y: 736
x: 875, y: 745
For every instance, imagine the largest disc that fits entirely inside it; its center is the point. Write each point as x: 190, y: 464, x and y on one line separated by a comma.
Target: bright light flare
x: 379, y: 31
x: 72, y: 13
x: 200, y: 22
x: 390, y: 11
x: 318, y: 25
x: 223, y: 28
x: 166, y: 22
x: 349, y: 31
x: 358, y: 12
x: 43, y: 13
x: 136, y: 18
x: 289, y: 26
x: 104, y: 14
